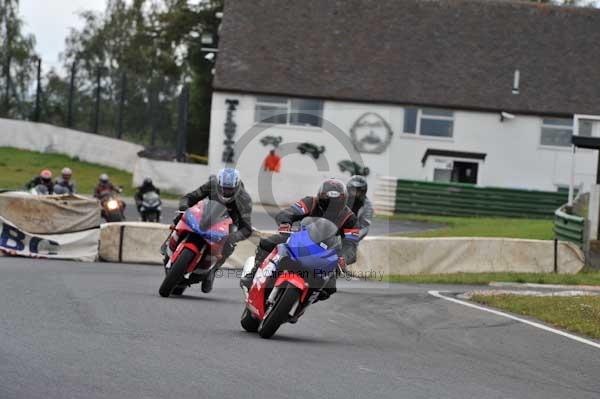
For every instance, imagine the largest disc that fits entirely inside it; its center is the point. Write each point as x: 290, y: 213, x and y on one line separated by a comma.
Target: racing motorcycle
x: 150, y: 207
x: 290, y: 279
x: 198, y: 238
x: 112, y: 207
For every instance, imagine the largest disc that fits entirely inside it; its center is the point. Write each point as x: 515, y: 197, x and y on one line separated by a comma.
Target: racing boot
x: 246, y: 280
x: 207, y: 283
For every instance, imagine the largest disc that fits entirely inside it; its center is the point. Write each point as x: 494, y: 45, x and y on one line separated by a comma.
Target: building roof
x: 449, y: 53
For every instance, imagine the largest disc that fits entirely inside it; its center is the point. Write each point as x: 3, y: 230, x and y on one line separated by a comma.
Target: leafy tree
x: 17, y: 58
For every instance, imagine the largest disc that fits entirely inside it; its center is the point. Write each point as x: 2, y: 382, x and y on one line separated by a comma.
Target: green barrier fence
x: 456, y: 199
x: 569, y: 227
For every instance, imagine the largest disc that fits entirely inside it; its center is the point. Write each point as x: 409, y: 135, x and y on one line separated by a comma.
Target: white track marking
x: 596, y: 345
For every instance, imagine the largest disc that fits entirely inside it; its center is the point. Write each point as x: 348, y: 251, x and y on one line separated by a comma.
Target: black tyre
x: 113, y: 217
x: 279, y: 314
x: 178, y: 290
x: 249, y: 323
x: 176, y: 272
x: 152, y: 217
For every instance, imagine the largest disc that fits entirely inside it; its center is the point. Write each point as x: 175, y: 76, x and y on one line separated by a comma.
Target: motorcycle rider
x: 146, y: 187
x: 104, y: 187
x: 43, y: 179
x: 359, y: 203
x: 65, y: 184
x: 330, y: 203
x: 228, y: 189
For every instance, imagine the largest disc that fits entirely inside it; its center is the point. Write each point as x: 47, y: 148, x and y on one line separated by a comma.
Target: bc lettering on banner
x: 13, y: 240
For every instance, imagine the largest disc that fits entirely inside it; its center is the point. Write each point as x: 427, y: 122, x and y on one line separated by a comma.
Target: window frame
x: 289, y: 101
x: 423, y: 115
x: 544, y: 126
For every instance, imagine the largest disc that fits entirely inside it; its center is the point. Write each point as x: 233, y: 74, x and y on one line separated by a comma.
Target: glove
x: 228, y: 248
x: 285, y: 228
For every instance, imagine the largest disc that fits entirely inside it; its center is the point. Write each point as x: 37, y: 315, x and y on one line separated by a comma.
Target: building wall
x: 515, y: 158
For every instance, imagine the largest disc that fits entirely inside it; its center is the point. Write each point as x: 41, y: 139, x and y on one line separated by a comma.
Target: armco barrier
x: 569, y: 227
x: 467, y: 200
x: 135, y: 242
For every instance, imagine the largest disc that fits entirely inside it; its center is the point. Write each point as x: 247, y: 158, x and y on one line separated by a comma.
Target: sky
x: 50, y: 21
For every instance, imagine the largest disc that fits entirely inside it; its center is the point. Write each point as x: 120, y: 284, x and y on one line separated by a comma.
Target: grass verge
x: 581, y: 278
x: 538, y: 229
x: 17, y: 167
x: 578, y: 314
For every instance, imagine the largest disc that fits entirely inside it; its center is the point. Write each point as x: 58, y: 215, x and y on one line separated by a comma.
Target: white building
x: 473, y: 91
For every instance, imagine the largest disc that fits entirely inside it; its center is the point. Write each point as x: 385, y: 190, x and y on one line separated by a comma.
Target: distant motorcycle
x: 112, y: 207
x: 200, y: 235
x: 150, y: 207
x: 291, y: 277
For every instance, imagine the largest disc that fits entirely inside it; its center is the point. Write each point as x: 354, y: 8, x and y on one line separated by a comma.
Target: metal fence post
x: 97, y: 107
x: 38, y: 91
x: 122, y: 105
x: 555, y: 255
x: 71, y: 94
x: 182, y: 122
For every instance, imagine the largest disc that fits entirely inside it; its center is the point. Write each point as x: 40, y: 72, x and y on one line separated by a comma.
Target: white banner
x: 82, y: 246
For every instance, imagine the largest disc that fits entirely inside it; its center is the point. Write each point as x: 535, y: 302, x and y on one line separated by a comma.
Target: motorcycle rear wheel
x: 249, y: 322
x: 178, y: 290
x: 280, y: 312
x: 151, y: 217
x: 176, y: 272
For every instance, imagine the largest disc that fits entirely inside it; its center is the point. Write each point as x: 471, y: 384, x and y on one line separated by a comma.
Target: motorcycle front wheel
x: 176, y: 272
x: 279, y: 314
x: 249, y: 323
x: 114, y: 217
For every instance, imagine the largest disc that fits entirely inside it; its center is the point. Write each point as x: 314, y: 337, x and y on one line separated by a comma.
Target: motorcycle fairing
x: 310, y: 254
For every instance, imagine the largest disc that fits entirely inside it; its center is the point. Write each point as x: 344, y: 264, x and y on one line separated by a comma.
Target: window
x: 428, y: 122
x: 557, y: 132
x: 586, y: 127
x: 288, y: 111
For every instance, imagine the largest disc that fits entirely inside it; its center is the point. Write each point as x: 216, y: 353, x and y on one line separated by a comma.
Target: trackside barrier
x: 455, y: 199
x: 135, y: 242
x: 569, y: 227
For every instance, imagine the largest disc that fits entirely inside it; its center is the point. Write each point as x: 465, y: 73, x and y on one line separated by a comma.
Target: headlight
x: 112, y: 205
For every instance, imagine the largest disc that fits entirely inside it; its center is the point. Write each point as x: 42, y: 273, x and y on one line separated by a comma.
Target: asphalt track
x: 72, y: 330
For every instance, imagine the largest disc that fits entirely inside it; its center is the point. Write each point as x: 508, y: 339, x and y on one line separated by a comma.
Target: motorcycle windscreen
x: 151, y: 198
x: 204, y: 216
x: 315, y: 245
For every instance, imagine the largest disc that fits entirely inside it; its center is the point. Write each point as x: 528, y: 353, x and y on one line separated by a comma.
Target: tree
x: 17, y: 59
x: 183, y: 24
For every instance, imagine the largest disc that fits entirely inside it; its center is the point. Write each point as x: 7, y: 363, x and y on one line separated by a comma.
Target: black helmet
x: 332, y: 196
x: 147, y: 182
x: 357, y: 188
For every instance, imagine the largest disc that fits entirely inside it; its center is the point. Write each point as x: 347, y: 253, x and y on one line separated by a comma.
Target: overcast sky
x: 50, y: 20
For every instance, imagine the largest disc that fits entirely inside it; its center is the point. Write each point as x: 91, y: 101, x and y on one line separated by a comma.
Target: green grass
x: 581, y: 278
x: 17, y: 167
x: 538, y: 229
x: 579, y: 314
